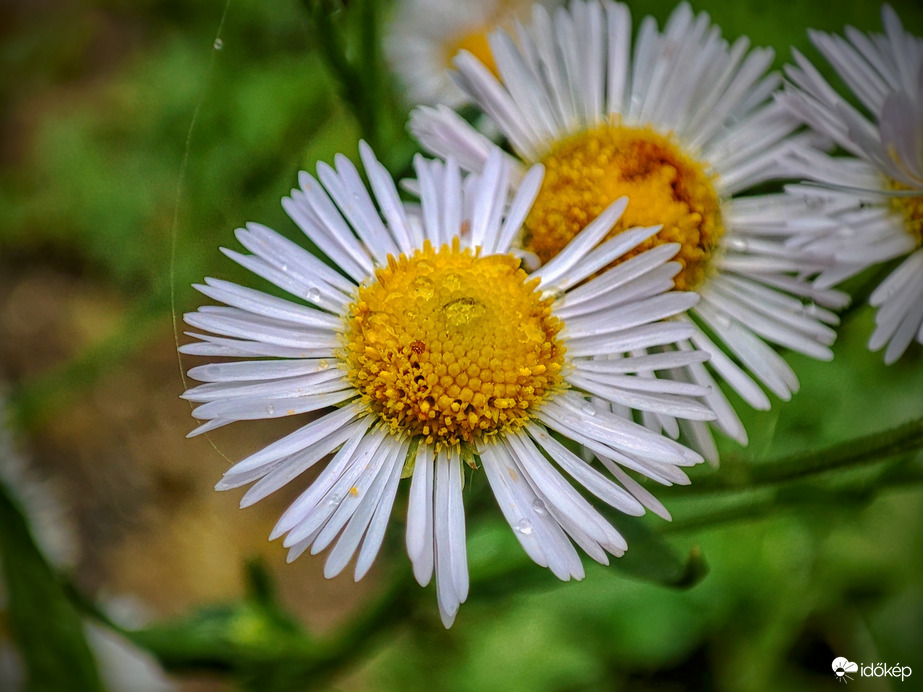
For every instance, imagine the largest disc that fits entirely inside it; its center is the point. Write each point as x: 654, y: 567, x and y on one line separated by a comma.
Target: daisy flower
x: 435, y: 350
x: 875, y: 196
x: 424, y: 35
x: 683, y: 124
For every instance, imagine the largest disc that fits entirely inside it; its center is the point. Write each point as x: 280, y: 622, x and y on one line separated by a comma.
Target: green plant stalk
x: 351, y: 80
x: 868, y: 449
x: 44, y: 621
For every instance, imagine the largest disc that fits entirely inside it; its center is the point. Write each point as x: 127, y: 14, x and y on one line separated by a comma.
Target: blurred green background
x: 128, y: 132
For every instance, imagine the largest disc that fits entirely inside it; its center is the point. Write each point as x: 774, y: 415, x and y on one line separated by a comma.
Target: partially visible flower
x: 683, y: 124
x: 424, y: 35
x: 437, y: 350
x: 874, y: 197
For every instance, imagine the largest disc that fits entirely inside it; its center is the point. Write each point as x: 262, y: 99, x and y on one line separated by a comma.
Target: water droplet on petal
x: 552, y: 292
x: 323, y: 364
x: 539, y: 507
x: 283, y: 267
x: 738, y: 244
x: 808, y: 310
x: 270, y: 409
x: 313, y: 294
x: 219, y: 43
x: 588, y: 409
x: 524, y: 527
x: 334, y: 500
x: 722, y: 320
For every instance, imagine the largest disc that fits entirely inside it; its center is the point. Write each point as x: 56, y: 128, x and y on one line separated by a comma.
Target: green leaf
x: 47, y: 628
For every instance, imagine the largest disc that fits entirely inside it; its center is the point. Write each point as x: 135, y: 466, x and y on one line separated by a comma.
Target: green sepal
x: 469, y: 455
x: 410, y: 461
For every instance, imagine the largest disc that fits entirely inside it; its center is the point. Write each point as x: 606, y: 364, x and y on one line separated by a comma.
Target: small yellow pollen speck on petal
x: 586, y: 172
x: 911, y: 208
x: 453, y: 347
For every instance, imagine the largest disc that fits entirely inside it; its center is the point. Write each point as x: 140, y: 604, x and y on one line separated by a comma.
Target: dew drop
x: 463, y: 311
x: 738, y: 244
x: 334, y: 500
x: 270, y: 409
x: 588, y: 409
x: 552, y: 293
x: 379, y: 327
x: 283, y: 267
x: 539, y: 507
x: 422, y: 288
x: 218, y: 44
x: 452, y: 282
x: 531, y: 333
x: 808, y: 310
x: 322, y: 365
x: 722, y: 320
x: 425, y: 267
x: 524, y: 527
x: 314, y: 294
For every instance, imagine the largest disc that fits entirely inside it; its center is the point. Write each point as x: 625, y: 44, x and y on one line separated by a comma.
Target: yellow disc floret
x: 453, y: 347
x: 911, y: 208
x: 588, y: 171
x: 478, y: 45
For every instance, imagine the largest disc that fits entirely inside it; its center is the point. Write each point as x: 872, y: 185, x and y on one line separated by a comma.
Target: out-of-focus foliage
x: 128, y: 127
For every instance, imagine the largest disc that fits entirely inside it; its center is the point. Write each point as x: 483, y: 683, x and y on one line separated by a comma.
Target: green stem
x: 753, y: 508
x: 355, y: 93
x: 370, y: 71
x: 868, y: 449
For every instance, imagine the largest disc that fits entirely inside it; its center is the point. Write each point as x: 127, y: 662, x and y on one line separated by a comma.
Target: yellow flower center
x: 588, y: 171
x: 453, y: 347
x: 475, y: 43
x: 911, y: 208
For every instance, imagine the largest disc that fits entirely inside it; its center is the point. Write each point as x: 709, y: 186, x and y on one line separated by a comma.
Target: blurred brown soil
x: 141, y: 495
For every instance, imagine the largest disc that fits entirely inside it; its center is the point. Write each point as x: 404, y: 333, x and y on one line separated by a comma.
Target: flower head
x: 681, y: 123
x: 424, y: 36
x: 874, y: 197
x: 431, y: 347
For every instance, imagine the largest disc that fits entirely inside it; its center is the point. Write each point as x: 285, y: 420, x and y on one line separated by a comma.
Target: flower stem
x: 868, y: 449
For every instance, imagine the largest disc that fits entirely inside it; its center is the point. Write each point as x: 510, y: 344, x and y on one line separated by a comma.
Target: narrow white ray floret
x: 429, y: 348
x: 874, y: 196
x: 682, y: 123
